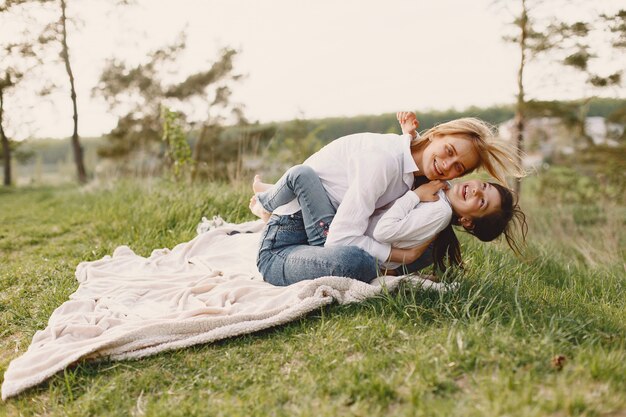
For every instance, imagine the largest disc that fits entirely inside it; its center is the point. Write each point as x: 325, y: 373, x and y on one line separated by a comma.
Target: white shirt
x: 361, y: 172
x: 409, y: 222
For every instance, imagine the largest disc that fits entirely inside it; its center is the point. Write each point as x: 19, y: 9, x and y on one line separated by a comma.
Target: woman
x: 361, y: 173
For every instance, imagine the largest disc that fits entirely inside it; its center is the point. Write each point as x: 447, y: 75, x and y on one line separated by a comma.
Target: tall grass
x: 487, y: 349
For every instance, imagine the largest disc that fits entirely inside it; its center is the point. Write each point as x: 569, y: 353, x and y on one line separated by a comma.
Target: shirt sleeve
x: 411, y: 222
x: 370, y: 174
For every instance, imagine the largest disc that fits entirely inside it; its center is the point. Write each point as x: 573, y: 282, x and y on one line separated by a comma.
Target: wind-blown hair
x: 509, y: 220
x: 497, y: 157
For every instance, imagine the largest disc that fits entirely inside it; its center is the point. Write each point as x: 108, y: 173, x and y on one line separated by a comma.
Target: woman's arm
x: 407, y: 256
x: 369, y: 177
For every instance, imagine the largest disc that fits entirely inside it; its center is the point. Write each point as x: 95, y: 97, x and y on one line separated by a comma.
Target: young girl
x: 484, y: 209
x: 361, y: 173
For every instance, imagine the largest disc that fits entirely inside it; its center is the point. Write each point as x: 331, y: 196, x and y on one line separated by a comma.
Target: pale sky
x: 308, y: 58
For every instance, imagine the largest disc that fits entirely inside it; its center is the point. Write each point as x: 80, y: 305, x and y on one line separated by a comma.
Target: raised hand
x: 408, y: 122
x: 428, y: 191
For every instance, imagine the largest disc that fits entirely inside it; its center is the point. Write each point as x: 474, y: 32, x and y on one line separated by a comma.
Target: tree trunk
x: 6, y: 149
x: 197, y: 151
x: 78, y: 150
x: 520, y: 117
x: 583, y: 110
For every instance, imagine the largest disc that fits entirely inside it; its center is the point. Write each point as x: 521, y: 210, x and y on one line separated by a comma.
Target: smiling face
x: 447, y: 157
x: 472, y: 199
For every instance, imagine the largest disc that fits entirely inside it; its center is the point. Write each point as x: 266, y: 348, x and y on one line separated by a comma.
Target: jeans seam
x: 322, y: 231
x: 308, y: 203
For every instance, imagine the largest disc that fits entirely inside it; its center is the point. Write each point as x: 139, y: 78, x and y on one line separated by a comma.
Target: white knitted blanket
x: 207, y: 289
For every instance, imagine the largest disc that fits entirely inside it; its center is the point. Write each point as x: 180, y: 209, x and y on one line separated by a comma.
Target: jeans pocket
x: 292, y: 222
x: 268, y: 237
x: 288, y: 237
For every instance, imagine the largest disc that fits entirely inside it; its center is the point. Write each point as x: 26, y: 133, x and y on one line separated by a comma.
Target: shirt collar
x: 443, y: 194
x: 408, y: 162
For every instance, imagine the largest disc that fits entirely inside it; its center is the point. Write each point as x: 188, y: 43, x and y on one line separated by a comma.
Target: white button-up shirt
x: 409, y: 222
x: 361, y: 172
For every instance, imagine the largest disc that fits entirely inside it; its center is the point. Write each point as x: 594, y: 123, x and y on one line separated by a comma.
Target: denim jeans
x: 302, y: 182
x: 286, y: 258
x: 292, y: 246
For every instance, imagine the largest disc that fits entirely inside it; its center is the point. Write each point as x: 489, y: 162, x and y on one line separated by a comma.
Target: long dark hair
x: 447, y: 246
x: 510, y: 220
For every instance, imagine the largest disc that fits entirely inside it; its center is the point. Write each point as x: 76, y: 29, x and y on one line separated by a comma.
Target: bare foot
x: 257, y: 209
x: 259, y: 186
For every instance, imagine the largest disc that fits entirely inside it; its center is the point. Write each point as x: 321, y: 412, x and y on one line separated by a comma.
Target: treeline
x: 190, y: 126
x: 139, y: 92
x: 335, y: 127
x: 235, y: 139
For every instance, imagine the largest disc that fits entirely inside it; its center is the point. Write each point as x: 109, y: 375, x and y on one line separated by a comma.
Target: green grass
x: 484, y: 350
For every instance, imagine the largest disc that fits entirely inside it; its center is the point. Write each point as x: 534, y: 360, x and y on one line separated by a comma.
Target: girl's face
x: 472, y: 199
x: 447, y: 157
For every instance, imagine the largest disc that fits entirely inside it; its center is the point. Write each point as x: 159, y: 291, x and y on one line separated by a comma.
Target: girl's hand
x: 408, y: 122
x: 428, y: 192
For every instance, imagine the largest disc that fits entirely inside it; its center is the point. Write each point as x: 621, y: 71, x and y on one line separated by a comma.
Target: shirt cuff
x: 412, y: 197
x: 381, y: 251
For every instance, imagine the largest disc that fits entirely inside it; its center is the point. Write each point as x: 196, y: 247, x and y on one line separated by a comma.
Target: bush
x: 592, y: 176
x: 565, y: 185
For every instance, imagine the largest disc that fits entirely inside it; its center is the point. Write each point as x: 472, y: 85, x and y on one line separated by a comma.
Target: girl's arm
x: 415, y: 217
x: 408, y: 123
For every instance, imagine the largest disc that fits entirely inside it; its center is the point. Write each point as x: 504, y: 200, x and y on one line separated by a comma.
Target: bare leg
x: 255, y: 207
x: 258, y: 186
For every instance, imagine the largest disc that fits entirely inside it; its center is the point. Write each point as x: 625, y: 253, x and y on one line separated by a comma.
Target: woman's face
x: 447, y: 157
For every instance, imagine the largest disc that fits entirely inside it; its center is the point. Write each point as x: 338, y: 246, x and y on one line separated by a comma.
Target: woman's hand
x: 408, y: 122
x: 428, y: 192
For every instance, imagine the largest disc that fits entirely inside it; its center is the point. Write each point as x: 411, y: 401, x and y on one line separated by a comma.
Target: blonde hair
x: 497, y: 157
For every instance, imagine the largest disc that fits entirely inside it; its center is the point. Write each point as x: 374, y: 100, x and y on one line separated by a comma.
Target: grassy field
x: 487, y: 349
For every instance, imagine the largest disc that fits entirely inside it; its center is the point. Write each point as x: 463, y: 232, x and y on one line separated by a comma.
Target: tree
x: 579, y: 45
x: 178, y: 148
x: 56, y: 33
x: 525, y: 32
x: 570, y: 44
x: 6, y: 82
x: 65, y: 55
x: 6, y: 148
x: 529, y: 42
x: 139, y: 91
x: 18, y: 59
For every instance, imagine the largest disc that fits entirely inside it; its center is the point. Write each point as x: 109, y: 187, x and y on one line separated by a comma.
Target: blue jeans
x: 302, y: 182
x: 292, y: 245
x: 286, y: 258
